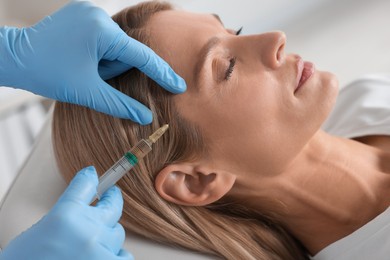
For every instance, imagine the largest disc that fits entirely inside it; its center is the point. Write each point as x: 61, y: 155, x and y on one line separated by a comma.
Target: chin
x: 331, y: 86
x: 328, y: 93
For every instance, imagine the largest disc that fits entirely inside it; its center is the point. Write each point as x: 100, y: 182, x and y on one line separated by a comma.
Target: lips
x: 305, y: 71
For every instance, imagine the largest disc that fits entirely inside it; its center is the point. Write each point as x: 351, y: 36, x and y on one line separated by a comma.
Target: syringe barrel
x: 122, y: 166
x: 115, y: 173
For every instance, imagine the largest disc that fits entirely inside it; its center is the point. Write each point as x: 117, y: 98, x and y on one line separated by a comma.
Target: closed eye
x: 230, y: 69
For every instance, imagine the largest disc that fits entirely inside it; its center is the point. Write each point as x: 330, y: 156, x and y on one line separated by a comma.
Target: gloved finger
x: 110, y: 206
x: 109, y: 100
x: 124, y: 255
x: 134, y: 53
x: 82, y: 188
x: 109, y: 69
x: 113, y: 238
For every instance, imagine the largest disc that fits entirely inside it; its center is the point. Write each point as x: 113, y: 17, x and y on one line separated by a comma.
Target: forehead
x: 184, y: 17
x: 178, y: 36
x: 174, y: 22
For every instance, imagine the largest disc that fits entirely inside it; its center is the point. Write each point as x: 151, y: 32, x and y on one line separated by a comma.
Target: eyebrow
x: 202, y: 56
x: 205, y: 51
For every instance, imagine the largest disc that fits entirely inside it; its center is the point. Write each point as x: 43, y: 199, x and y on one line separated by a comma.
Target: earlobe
x: 192, y: 185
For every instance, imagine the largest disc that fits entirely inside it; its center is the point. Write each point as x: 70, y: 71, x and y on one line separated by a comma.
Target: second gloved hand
x: 73, y: 229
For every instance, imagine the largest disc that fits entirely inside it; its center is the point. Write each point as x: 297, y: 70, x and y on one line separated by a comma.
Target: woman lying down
x: 245, y: 170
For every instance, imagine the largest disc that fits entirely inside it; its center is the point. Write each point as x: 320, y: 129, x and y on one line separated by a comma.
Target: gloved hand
x: 73, y: 229
x: 58, y: 58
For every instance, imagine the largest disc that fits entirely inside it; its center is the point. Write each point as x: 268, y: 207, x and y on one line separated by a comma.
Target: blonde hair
x: 84, y: 137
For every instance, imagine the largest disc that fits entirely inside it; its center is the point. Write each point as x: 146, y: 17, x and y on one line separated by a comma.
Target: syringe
x: 127, y: 162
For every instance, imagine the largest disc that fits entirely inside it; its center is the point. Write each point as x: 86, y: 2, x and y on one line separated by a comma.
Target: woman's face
x: 242, y: 91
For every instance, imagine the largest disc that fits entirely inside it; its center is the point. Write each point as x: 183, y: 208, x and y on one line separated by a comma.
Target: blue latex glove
x: 61, y: 58
x: 73, y: 229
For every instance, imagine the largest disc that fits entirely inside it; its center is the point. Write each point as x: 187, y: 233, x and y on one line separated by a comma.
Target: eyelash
x: 230, y: 69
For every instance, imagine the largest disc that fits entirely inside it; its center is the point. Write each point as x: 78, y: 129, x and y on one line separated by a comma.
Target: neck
x: 332, y: 188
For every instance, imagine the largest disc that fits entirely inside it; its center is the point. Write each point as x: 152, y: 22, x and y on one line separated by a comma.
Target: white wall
x: 349, y: 39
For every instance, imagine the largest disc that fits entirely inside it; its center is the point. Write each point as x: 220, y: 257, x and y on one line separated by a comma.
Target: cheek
x: 272, y: 124
x: 252, y: 105
x: 250, y: 124
x: 254, y: 95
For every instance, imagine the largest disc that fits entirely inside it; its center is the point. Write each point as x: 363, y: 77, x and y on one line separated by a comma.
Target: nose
x: 271, y: 46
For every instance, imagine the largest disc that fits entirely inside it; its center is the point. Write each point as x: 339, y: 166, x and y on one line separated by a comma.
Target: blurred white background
x: 347, y: 37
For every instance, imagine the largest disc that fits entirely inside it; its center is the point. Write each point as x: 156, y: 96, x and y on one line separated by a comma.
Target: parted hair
x: 83, y: 137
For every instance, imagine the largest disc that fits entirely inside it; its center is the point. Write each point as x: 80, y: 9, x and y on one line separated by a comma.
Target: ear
x: 192, y: 185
